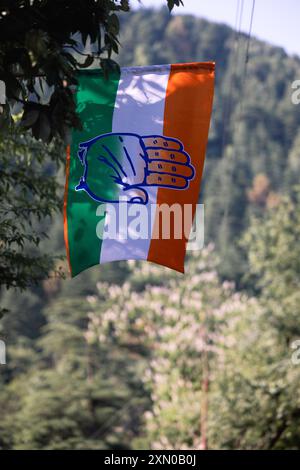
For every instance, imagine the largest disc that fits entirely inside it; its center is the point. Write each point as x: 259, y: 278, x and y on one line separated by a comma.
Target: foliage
x: 273, y: 250
x: 257, y: 390
x: 126, y: 365
x: 179, y: 321
x: 43, y: 44
x: 64, y: 393
x: 38, y: 68
x: 29, y: 195
x: 253, y: 399
x: 131, y: 355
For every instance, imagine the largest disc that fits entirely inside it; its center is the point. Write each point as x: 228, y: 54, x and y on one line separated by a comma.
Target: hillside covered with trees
x: 131, y: 355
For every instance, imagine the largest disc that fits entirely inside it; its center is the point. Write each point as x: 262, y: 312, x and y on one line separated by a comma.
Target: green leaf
x: 172, y: 3
x: 113, y: 24
x: 87, y: 63
x: 30, y: 116
x: 42, y: 129
x: 108, y: 66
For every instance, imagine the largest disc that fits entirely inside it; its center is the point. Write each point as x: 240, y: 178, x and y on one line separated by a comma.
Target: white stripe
x: 139, y: 109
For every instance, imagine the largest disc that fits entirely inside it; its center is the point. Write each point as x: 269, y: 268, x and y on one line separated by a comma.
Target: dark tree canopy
x: 29, y: 196
x: 42, y: 45
x: 41, y: 40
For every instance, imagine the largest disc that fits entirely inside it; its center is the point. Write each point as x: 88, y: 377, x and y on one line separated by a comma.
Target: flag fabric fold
x: 141, y: 150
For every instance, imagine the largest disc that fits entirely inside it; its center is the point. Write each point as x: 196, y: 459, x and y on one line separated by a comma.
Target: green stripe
x: 95, y: 100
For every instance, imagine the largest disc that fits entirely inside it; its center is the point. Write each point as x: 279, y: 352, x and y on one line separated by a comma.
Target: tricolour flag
x: 141, y: 149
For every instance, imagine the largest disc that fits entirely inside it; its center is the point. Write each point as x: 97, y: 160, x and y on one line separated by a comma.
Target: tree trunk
x: 205, y: 390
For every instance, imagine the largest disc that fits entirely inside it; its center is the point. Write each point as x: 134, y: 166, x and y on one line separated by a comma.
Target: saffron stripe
x: 187, y: 113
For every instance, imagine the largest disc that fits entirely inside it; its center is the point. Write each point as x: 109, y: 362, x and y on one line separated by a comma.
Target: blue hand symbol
x: 120, y: 166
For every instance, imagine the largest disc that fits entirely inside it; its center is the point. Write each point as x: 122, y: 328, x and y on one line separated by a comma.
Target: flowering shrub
x: 180, y: 322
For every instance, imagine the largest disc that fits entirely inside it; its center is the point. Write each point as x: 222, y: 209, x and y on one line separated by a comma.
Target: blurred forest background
x: 131, y: 355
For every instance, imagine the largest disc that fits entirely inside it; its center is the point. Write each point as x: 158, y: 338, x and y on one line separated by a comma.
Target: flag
x: 141, y: 150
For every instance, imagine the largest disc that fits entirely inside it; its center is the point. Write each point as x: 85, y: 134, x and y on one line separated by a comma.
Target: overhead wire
x: 234, y: 60
x: 243, y: 78
x: 247, y: 53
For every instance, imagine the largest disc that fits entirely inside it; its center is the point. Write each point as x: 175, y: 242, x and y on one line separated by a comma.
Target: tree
x: 68, y: 392
x: 214, y: 361
x: 273, y: 252
x: 214, y: 347
x: 29, y: 194
x: 179, y: 321
x: 37, y: 40
x: 42, y: 44
x: 256, y: 392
